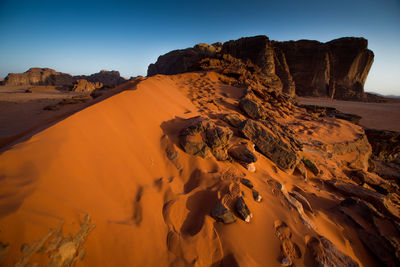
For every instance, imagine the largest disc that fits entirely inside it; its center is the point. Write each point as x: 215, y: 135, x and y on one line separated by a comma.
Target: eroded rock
x: 271, y: 145
x: 203, y: 138
x: 325, y: 253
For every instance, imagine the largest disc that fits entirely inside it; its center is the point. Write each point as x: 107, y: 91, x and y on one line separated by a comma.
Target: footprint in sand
x: 289, y: 249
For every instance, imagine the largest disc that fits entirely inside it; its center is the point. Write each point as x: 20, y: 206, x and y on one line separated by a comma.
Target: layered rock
x: 83, y: 85
x: 39, y: 76
x: 336, y: 69
x: 46, y: 76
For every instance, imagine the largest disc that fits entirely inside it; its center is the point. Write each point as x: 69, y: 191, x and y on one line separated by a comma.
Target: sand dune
x: 109, y: 161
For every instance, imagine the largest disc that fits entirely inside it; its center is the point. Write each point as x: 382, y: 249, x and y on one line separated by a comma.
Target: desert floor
x: 382, y: 116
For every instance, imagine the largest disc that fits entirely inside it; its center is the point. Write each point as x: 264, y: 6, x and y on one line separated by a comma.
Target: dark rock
x: 107, y: 78
x: 325, y: 253
x: 242, y: 210
x: 385, y: 144
x: 221, y: 214
x: 311, y: 166
x: 256, y: 195
x: 247, y: 183
x: 383, y: 252
x: 234, y: 120
x: 272, y: 146
x: 336, y: 69
x: 242, y: 154
x: 378, y: 200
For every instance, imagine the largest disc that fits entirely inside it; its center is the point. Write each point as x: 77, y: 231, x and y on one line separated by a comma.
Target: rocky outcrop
x: 336, y: 69
x: 105, y: 77
x: 83, y: 85
x: 179, y: 61
x: 325, y: 253
x: 46, y: 76
x: 39, y: 76
x: 271, y: 145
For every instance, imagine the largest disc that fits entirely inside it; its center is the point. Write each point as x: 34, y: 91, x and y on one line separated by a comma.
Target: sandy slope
x: 109, y: 161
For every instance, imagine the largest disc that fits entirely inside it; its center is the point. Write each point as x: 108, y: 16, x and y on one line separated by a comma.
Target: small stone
x: 257, y: 197
x: 251, y: 167
x: 243, y: 210
x: 247, y: 183
x: 286, y: 262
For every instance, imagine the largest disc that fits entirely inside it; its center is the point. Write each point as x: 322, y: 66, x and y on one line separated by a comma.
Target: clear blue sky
x: 82, y: 37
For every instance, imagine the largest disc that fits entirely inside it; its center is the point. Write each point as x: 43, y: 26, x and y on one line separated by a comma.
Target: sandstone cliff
x: 336, y: 69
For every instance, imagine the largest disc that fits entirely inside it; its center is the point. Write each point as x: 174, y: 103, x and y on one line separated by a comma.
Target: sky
x: 83, y: 37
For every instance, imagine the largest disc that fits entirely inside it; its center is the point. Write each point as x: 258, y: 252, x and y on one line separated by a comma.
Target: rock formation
x: 336, y: 69
x: 46, y: 76
x: 83, y: 85
x: 39, y: 76
x: 105, y: 77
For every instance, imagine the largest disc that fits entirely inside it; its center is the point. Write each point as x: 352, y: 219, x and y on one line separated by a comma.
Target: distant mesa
x: 39, y: 76
x: 104, y: 76
x: 46, y: 76
x: 336, y: 69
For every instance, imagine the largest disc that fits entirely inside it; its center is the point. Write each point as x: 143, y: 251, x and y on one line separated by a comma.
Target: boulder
x: 233, y: 120
x: 222, y: 214
x: 242, y: 153
x: 270, y: 145
x: 203, y: 137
